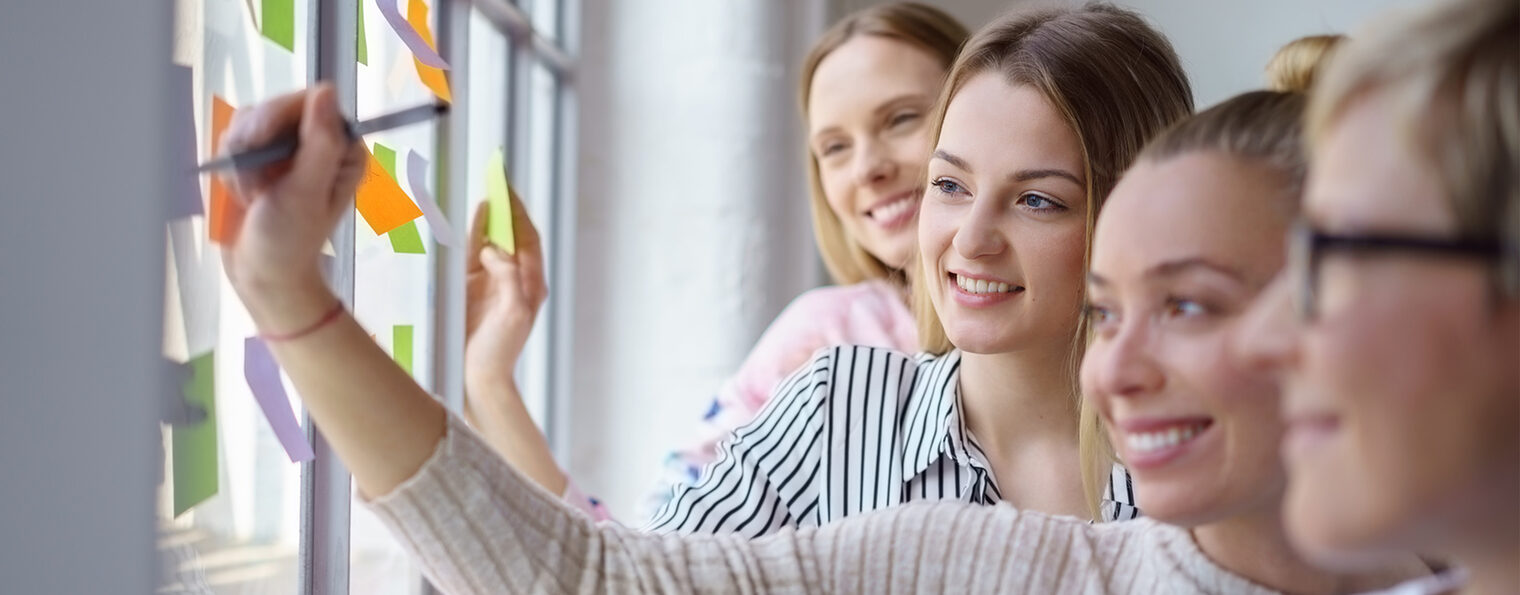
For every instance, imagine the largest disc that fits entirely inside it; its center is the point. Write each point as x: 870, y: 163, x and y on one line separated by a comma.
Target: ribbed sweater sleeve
x: 478, y: 527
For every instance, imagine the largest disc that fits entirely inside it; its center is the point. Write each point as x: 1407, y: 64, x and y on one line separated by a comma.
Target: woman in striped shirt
x: 1041, y: 114
x: 1188, y: 242
x: 867, y: 87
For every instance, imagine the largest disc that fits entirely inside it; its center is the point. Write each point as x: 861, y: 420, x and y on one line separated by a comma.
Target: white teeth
x: 981, y: 285
x: 892, y: 211
x: 1153, y: 441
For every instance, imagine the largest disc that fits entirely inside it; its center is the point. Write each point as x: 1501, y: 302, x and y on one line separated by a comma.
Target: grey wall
x: 1224, y: 44
x: 82, y: 112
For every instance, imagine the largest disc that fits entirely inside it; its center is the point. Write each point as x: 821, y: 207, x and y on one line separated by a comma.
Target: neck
x: 1494, y: 564
x: 1255, y: 546
x: 1008, y: 399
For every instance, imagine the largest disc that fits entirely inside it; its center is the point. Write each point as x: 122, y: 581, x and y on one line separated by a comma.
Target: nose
x: 978, y: 234
x: 1124, y: 364
x: 1266, y: 340
x: 874, y: 163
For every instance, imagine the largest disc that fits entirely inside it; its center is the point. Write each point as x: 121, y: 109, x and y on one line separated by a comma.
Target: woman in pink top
x: 867, y: 89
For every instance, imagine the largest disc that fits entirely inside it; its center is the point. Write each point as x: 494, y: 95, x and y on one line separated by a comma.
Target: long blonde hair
x: 925, y: 27
x: 1116, y: 81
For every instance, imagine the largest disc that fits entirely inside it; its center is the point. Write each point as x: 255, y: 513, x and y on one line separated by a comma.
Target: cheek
x: 838, y: 192
x: 936, y: 229
x: 1052, y: 262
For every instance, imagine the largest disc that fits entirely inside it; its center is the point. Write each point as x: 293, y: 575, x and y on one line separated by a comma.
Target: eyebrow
x: 1173, y: 268
x: 1023, y: 175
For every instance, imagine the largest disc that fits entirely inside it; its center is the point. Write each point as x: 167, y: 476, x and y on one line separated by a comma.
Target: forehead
x: 1000, y: 128
x: 866, y: 71
x: 1200, y: 204
x: 1366, y: 176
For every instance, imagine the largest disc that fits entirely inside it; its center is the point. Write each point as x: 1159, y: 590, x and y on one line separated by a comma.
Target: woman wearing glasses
x: 1197, y: 231
x: 1397, y: 329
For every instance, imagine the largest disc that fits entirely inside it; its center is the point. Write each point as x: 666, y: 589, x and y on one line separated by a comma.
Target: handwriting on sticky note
x: 380, y: 199
x: 498, y: 195
x: 226, y: 211
x: 263, y: 376
x: 432, y: 76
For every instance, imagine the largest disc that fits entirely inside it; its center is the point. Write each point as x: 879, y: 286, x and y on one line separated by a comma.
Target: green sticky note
x: 195, y: 456
x: 279, y: 22
x: 406, y: 239
x: 363, y: 49
x: 401, y: 346
x: 387, y: 158
x: 499, y: 222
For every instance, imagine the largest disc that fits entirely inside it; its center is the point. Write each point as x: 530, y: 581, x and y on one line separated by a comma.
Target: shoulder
x: 839, y: 380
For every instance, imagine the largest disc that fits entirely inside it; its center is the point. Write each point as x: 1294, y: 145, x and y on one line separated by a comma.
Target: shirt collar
x: 934, y: 426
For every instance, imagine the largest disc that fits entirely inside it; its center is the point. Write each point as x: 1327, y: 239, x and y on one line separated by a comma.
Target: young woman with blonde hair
x: 866, y: 90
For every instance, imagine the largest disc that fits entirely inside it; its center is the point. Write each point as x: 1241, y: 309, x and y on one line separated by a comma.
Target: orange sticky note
x: 381, y: 201
x: 226, y: 211
x: 433, y: 78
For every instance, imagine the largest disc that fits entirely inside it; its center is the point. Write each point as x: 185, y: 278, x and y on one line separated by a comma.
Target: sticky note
x: 263, y: 376
x: 185, y: 193
x: 401, y: 346
x: 363, y: 50
x: 194, y: 448
x: 432, y: 77
x: 197, y: 274
x: 279, y: 23
x: 416, y: 177
x: 380, y: 199
x: 406, y: 239
x: 499, y: 220
x: 226, y: 211
x: 414, y: 35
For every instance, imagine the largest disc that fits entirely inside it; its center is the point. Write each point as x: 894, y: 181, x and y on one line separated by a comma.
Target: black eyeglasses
x: 1307, y: 247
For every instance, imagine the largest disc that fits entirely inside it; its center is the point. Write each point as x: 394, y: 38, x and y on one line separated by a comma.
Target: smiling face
x: 1401, y: 394
x: 1182, y: 248
x: 867, y: 109
x: 1002, y: 228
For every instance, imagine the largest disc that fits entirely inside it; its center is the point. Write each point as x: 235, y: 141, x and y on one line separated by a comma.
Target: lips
x: 895, y: 211
x: 1153, y: 443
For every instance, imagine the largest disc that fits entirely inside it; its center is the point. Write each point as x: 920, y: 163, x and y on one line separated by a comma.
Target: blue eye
x: 947, y: 186
x: 1098, y: 315
x: 1185, y: 308
x: 1039, y: 203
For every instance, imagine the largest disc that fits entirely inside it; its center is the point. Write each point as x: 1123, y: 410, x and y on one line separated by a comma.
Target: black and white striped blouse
x: 857, y: 429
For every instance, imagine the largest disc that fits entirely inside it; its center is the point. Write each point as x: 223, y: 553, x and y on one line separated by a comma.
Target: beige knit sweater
x: 479, y: 527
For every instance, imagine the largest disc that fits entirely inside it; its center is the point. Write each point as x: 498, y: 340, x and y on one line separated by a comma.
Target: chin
x: 979, y: 341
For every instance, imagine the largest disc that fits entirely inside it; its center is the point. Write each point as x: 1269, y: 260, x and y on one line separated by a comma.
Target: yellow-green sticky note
x: 499, y: 221
x: 406, y: 239
x: 363, y: 49
x: 195, y: 456
x: 279, y: 23
x: 401, y: 346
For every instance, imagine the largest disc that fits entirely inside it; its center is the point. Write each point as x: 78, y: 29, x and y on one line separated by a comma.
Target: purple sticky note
x: 185, y: 193
x: 416, y: 177
x: 409, y: 36
x: 264, y: 379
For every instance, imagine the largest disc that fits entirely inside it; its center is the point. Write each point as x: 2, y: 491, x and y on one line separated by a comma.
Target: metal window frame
x: 326, y: 492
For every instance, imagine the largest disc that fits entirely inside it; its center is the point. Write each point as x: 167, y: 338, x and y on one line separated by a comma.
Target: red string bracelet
x: 327, y: 318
